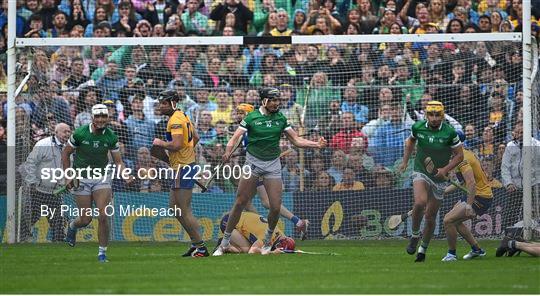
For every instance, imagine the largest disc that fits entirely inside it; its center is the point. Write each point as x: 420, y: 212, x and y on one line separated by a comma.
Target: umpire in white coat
x: 512, y: 175
x: 45, y: 154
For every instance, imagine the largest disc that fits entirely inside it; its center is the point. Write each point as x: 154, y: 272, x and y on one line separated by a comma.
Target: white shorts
x: 88, y: 186
x: 436, y: 189
x: 270, y: 169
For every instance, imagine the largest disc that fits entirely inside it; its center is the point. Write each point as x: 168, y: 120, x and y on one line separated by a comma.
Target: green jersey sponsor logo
x: 264, y: 133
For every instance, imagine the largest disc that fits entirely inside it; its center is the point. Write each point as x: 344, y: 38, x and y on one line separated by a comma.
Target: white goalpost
x: 11, y: 187
x: 391, y: 76
x: 528, y: 65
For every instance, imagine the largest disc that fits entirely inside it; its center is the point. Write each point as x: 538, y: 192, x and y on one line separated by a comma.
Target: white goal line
x: 243, y: 40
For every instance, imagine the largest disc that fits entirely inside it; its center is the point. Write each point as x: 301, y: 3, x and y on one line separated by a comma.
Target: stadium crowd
x: 363, y: 98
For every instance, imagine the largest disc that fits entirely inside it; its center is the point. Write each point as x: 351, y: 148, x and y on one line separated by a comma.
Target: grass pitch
x: 362, y: 267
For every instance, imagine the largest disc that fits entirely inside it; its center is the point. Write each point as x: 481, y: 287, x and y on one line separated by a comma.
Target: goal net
x: 362, y: 94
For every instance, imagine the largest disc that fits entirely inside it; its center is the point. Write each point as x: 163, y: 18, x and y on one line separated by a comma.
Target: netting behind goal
x: 362, y: 97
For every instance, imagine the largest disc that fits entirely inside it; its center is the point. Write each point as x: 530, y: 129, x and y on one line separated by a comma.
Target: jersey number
x: 189, y: 132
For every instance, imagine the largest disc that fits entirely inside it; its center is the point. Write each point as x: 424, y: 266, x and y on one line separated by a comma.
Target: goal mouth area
x: 332, y: 214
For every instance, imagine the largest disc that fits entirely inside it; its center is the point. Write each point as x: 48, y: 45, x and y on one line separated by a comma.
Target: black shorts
x: 480, y: 204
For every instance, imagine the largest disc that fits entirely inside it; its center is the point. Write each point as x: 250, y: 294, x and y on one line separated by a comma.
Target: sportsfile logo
x: 110, y: 172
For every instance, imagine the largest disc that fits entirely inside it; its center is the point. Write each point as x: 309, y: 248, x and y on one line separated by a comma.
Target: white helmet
x: 99, y: 109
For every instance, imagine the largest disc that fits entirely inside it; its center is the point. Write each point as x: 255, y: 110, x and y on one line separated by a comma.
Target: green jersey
x: 434, y: 143
x: 264, y: 133
x: 91, y: 150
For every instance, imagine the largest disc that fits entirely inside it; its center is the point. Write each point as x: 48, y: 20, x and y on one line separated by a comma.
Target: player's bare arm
x: 456, y: 159
x: 117, y: 158
x: 300, y: 142
x: 237, y: 136
x: 66, y: 161
x: 174, y: 145
x: 409, y: 147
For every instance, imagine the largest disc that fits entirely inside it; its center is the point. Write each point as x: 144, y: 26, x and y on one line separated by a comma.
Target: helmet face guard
x: 267, y: 94
x: 100, y: 117
x: 100, y: 110
x: 171, y: 96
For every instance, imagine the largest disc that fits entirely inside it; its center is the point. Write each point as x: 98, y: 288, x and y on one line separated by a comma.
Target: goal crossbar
x: 244, y: 40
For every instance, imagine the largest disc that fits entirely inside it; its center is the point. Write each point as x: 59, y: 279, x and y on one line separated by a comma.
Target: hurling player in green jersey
x: 92, y: 144
x: 438, y: 151
x: 264, y: 127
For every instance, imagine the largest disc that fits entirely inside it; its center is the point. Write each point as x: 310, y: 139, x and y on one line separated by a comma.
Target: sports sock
x: 416, y: 233
x: 102, y: 250
x: 512, y: 244
x: 476, y: 248
x: 295, y: 220
x: 423, y: 247
x: 268, y: 235
x: 226, y: 239
x: 198, y: 244
x: 453, y: 252
x: 72, y: 225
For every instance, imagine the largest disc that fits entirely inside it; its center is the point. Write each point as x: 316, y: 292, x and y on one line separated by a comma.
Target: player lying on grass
x: 475, y: 203
x: 91, y: 144
x: 181, y: 141
x: 265, y: 127
x: 301, y: 225
x: 249, y: 233
x: 438, y: 152
x: 513, y: 246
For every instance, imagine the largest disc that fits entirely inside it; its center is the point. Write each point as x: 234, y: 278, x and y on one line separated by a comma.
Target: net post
x: 527, y: 120
x: 11, y: 171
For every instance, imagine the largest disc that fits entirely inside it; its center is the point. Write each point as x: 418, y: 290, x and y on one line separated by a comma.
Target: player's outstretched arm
x: 233, y: 141
x: 117, y: 158
x: 300, y: 142
x: 409, y: 146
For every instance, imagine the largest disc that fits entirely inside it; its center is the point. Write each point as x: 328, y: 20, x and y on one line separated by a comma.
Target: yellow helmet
x: 434, y: 106
x: 245, y: 107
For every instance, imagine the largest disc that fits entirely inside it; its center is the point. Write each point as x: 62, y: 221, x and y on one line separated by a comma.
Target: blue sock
x: 475, y: 248
x: 453, y: 252
x: 295, y: 220
x: 102, y: 250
